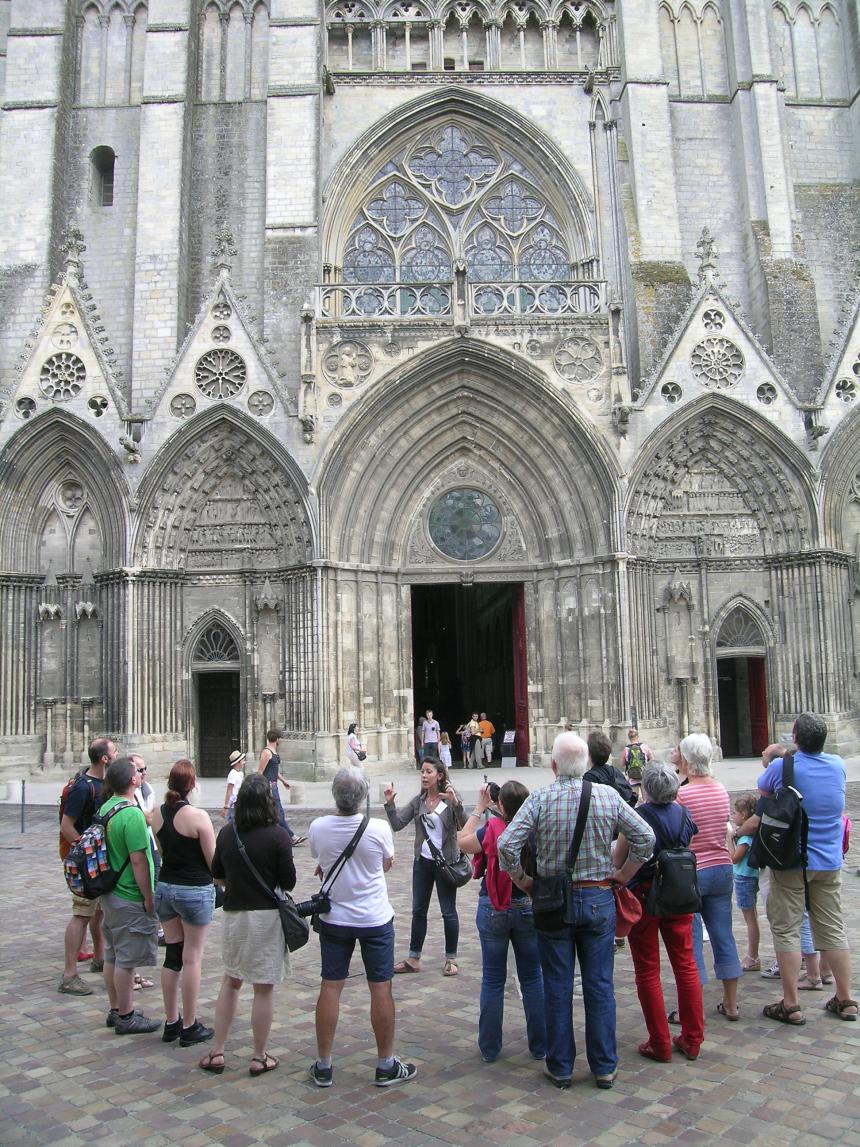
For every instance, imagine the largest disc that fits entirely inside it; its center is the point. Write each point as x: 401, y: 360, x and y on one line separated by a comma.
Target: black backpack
x: 674, y: 890
x: 780, y: 842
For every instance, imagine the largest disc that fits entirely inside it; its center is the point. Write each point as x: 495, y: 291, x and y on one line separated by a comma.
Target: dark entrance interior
x: 217, y: 721
x: 468, y: 654
x: 742, y: 694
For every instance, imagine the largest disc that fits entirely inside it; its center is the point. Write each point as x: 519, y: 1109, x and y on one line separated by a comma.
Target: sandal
x: 404, y: 967
x: 837, y: 1007
x: 267, y: 1063
x: 673, y: 1018
x: 206, y: 1063
x: 779, y: 1011
x: 826, y: 978
x: 721, y: 1008
x: 451, y: 969
x: 809, y: 984
x: 141, y: 982
x: 750, y: 965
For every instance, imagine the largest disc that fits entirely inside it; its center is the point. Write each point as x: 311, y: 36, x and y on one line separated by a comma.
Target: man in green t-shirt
x: 130, y: 925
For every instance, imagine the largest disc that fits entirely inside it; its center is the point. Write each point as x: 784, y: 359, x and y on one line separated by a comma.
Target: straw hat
x: 236, y: 757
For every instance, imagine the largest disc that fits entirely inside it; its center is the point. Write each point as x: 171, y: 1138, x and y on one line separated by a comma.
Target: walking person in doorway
x: 487, y: 730
x: 270, y: 767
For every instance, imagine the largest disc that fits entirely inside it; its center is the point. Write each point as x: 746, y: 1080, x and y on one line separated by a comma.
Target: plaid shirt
x: 551, y: 814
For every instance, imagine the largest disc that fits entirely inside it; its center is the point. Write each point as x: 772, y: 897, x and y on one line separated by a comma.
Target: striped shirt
x: 551, y: 814
x: 708, y: 802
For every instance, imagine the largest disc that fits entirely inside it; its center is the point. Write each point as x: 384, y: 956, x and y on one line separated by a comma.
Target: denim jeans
x: 282, y: 820
x: 496, y: 930
x: 425, y: 875
x: 715, y: 887
x: 591, y: 938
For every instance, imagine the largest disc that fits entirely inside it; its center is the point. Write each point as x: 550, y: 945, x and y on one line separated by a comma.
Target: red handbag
x: 628, y: 911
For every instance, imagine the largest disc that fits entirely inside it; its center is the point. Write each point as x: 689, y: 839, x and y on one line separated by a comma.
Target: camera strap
x: 336, y: 869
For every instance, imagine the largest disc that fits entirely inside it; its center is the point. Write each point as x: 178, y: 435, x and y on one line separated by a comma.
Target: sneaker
x: 138, y: 1024
x: 73, y: 986
x: 196, y: 1033
x: 604, y: 1082
x: 113, y: 1016
x: 399, y: 1072
x: 771, y: 973
x: 322, y: 1076
x: 560, y: 1081
x: 97, y: 965
x: 171, y: 1031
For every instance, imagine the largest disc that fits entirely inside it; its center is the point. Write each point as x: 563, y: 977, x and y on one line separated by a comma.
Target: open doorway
x: 218, y: 721
x: 468, y: 655
x: 742, y: 695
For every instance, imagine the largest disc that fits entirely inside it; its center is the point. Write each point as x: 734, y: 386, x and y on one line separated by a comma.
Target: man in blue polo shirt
x: 820, y: 778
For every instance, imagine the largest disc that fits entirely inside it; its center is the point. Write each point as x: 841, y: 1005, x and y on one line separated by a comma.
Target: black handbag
x: 296, y: 930
x: 457, y: 872
x: 549, y: 893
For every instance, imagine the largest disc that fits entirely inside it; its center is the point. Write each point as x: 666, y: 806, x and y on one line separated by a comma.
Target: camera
x: 319, y: 903
x: 494, y: 789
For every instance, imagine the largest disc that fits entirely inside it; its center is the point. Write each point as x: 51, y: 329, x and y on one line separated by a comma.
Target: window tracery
x: 456, y: 194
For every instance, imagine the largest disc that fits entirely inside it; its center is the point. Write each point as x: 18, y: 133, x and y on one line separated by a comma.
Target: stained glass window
x: 465, y: 524
x: 455, y: 191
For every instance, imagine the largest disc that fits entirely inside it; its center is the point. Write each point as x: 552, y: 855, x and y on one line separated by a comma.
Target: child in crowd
x: 445, y: 750
x: 746, y: 883
x: 234, y: 780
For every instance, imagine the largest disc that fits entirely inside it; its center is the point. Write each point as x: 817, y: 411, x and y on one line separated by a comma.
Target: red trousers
x: 677, y: 933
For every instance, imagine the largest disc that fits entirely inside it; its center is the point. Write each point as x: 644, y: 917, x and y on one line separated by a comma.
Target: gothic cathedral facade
x: 363, y: 355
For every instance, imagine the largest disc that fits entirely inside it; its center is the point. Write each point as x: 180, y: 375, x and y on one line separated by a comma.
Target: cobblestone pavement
x: 67, y: 1080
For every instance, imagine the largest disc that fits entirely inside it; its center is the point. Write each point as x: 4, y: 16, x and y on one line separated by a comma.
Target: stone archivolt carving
x: 62, y: 377
x: 215, y: 513
x: 717, y: 363
x: 578, y: 359
x: 347, y: 364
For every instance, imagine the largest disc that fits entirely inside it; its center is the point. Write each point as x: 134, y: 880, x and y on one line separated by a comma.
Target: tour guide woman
x: 438, y: 813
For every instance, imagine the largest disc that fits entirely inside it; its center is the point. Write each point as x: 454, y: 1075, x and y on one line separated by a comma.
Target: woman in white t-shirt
x: 354, y: 746
x: 438, y: 814
x: 234, y: 780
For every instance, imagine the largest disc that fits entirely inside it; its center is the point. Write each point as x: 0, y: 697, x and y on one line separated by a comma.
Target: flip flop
x: 721, y: 1008
x: 450, y: 969
x: 404, y: 968
x: 267, y: 1063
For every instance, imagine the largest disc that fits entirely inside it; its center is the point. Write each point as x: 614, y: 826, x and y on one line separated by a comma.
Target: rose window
x: 717, y: 363
x: 766, y: 394
x: 220, y: 374
x: 578, y: 359
x: 465, y: 524
x: 671, y: 392
x: 261, y: 403
x: 182, y: 406
x: 846, y: 390
x: 62, y: 377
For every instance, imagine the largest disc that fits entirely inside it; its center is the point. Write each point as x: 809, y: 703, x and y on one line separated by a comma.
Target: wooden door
x: 758, y: 703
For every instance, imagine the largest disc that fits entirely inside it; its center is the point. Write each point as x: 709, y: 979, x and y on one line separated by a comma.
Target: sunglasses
x: 143, y: 770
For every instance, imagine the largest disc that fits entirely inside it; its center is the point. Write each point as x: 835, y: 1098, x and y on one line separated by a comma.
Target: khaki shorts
x: 785, y: 906
x: 83, y: 907
x: 131, y: 935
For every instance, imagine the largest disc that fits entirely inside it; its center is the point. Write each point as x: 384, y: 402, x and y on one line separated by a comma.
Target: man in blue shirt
x: 820, y: 778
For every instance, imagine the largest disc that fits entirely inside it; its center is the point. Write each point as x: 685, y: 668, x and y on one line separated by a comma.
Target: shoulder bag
x: 549, y: 895
x: 457, y: 872
x: 296, y: 930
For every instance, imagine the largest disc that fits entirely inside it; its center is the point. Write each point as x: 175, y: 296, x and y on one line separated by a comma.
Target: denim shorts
x: 193, y: 904
x: 746, y: 891
x: 377, y: 951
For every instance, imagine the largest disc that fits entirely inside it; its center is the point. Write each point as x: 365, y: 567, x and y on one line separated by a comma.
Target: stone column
x: 48, y: 757
x: 160, y: 257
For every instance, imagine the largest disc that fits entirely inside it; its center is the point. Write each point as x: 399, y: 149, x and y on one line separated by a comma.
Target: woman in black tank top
x: 270, y: 768
x: 184, y: 901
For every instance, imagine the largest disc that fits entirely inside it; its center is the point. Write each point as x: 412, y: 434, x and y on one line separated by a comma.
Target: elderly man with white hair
x: 588, y: 931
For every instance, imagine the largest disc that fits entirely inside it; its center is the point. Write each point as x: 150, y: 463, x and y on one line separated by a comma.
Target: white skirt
x: 253, y: 947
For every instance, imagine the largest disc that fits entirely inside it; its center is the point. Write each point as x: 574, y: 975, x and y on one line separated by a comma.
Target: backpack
x: 87, y: 867
x: 780, y: 841
x: 674, y: 889
x: 635, y: 762
x: 86, y: 815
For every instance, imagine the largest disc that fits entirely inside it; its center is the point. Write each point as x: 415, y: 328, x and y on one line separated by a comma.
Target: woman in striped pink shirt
x: 708, y: 803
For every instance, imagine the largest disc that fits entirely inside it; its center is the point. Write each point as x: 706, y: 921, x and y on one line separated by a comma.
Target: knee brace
x: 173, y: 957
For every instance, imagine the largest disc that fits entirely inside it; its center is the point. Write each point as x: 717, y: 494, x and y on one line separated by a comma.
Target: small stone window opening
x: 103, y: 161
x: 449, y: 64
x: 476, y: 65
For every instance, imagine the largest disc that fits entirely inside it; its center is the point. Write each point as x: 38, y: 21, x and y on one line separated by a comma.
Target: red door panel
x: 758, y: 704
x: 521, y: 695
